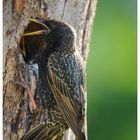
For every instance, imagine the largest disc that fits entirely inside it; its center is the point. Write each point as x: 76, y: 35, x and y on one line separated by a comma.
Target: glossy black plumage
x: 62, y: 81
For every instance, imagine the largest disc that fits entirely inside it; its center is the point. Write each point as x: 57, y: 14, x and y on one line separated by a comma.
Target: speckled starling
x: 62, y: 86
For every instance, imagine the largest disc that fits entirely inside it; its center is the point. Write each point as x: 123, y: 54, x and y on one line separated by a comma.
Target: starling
x: 62, y: 85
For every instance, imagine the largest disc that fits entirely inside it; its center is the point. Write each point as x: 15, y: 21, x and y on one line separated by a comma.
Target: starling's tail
x: 81, y: 137
x: 43, y: 132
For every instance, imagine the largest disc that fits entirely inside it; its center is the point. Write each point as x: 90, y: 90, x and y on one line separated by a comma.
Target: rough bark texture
x: 19, y: 116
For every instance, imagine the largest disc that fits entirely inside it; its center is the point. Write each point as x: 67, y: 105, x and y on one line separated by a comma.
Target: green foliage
x: 111, y: 72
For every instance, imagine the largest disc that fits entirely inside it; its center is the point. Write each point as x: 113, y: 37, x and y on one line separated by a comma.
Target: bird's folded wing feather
x: 70, y: 110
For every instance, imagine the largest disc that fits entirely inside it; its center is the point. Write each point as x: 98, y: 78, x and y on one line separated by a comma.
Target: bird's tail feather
x: 43, y: 132
x: 81, y: 137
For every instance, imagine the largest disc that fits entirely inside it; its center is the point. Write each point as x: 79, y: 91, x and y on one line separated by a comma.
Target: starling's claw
x: 24, y: 85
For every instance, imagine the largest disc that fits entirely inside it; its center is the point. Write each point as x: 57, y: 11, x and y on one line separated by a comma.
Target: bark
x: 18, y: 115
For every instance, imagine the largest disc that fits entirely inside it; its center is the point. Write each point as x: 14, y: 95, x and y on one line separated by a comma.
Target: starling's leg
x: 24, y: 85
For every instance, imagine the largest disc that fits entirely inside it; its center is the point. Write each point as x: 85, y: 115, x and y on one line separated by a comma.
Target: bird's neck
x: 59, y: 40
x: 58, y: 47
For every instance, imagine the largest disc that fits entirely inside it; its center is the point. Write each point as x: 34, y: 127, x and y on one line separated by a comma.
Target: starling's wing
x: 43, y: 132
x: 35, y: 132
x: 65, y: 79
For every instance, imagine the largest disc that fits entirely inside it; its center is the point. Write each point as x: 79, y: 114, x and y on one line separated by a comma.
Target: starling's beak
x: 39, y: 32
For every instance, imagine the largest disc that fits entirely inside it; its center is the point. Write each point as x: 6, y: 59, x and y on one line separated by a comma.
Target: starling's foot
x: 24, y: 85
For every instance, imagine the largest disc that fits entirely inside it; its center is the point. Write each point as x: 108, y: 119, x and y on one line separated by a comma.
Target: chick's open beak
x: 38, y: 22
x: 35, y: 33
x: 39, y: 32
x: 44, y: 30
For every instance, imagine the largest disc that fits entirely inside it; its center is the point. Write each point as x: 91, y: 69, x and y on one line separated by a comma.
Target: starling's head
x: 53, y: 34
x: 62, y: 35
x: 33, y: 42
x: 66, y: 28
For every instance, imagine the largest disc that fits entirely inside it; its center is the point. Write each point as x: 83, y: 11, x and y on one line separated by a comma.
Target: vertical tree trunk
x: 18, y: 114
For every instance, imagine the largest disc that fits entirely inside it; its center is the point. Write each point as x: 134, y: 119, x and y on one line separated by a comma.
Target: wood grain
x: 19, y: 5
x: 18, y: 115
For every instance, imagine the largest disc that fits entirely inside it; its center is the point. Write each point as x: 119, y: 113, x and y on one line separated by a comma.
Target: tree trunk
x: 19, y: 116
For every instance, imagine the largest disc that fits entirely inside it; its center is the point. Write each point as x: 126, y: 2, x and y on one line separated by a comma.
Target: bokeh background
x: 111, y: 72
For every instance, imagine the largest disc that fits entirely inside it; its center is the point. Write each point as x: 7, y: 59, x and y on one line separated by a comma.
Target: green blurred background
x: 111, y: 72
